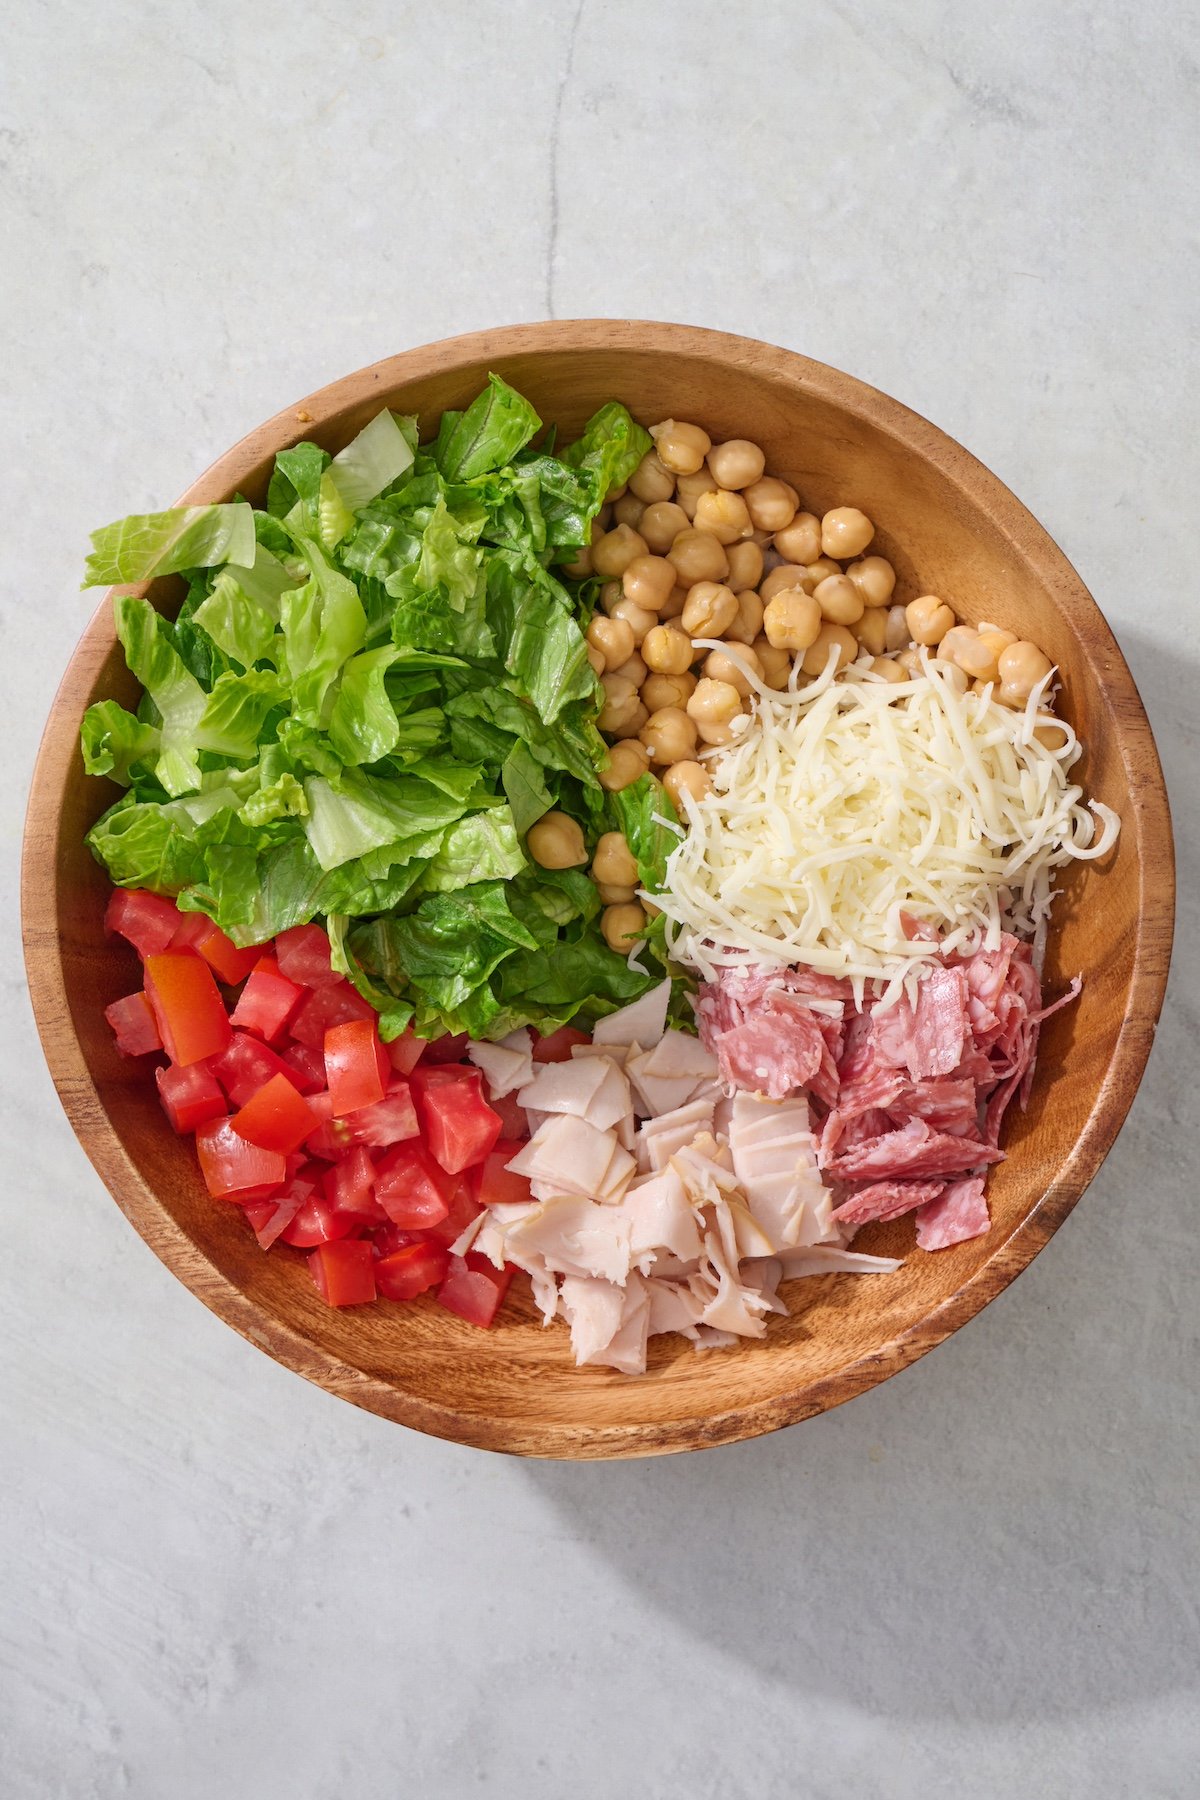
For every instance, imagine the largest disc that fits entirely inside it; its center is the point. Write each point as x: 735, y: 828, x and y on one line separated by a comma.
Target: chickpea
x: 616, y: 493
x: 596, y: 658
x: 745, y: 565
x: 674, y: 603
x: 616, y: 550
x: 636, y: 617
x: 1022, y: 665
x: 839, y: 600
x: 963, y: 646
x: 719, y: 667
x: 800, y: 542
x: 883, y: 665
x: 633, y: 669
x: 602, y: 522
x: 821, y: 570
x: 648, y: 580
x: 910, y: 661
x: 929, y: 619
x: 631, y: 726
x: 715, y: 702
x: 580, y: 564
x: 830, y: 637
x: 691, y: 490
x: 871, y: 630
x: 898, y: 635
x: 613, y: 861
x: 620, y: 698
x: 792, y: 620
x: 772, y: 503
x: 776, y: 664
x: 661, y: 524
x: 622, y: 925
x: 667, y: 650
x: 997, y: 640
x: 664, y: 691
x: 690, y: 778
x: 556, y: 842
x: 709, y: 609
x: 628, y: 510
x: 714, y: 734
x: 681, y: 448
x: 611, y: 594
x: 783, y: 576
x: 698, y: 556
x: 748, y: 624
x: 613, y: 639
x: 651, y: 481
x: 737, y: 463
x: 626, y: 762
x: 875, y: 579
x: 1051, y: 732
x: 845, y: 532
x: 669, y: 735
x: 724, y: 514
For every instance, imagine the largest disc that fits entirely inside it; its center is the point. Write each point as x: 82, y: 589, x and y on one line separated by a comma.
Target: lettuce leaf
x: 489, y: 434
x: 187, y: 537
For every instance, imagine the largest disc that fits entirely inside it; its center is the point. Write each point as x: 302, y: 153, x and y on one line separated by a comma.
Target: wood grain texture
x: 950, y: 527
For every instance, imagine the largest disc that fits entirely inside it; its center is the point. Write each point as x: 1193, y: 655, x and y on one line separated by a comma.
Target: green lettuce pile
x: 371, y: 691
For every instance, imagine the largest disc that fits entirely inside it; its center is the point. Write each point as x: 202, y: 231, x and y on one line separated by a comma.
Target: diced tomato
x: 344, y: 1273
x: 147, y: 921
x: 197, y: 932
x: 303, y: 955
x: 405, y: 1052
x: 473, y: 1288
x: 275, y: 1118
x: 306, y: 1066
x: 459, y: 1124
x: 558, y: 1045
x: 407, y: 1272
x: 334, y: 1004
x: 190, y: 1096
x: 267, y: 1001
x: 463, y: 1207
x: 355, y: 1066
x: 269, y: 1218
x: 332, y: 1137
x: 494, y: 1184
x: 411, y: 1188
x: 134, y: 1025
x: 349, y: 1185
x: 231, y: 1166
x: 317, y: 1222
x: 447, y: 1048
x: 188, y: 1008
x: 248, y: 1065
x: 389, y: 1121
x: 388, y: 1237
x: 513, y: 1122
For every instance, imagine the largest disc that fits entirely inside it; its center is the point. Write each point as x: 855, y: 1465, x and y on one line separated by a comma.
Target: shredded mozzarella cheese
x: 845, y: 804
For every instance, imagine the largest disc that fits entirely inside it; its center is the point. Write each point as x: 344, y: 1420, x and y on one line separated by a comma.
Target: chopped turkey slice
x: 626, y: 1351
x: 656, y: 1094
x: 568, y: 1155
x: 731, y: 1306
x: 593, y: 1088
x: 775, y: 1160
x: 572, y: 1236
x: 827, y: 1259
x: 765, y: 1273
x: 593, y: 1309
x: 508, y: 1064
x: 641, y: 1023
x: 659, y: 1139
x: 673, y: 1307
x: 751, y: 1239
x: 661, y: 1218
x: 677, y: 1057
x: 619, y: 1173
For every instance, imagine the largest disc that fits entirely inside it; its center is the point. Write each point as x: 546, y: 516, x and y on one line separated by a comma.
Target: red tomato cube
x: 232, y: 1166
x: 275, y: 1118
x: 190, y: 1097
x: 334, y: 1004
x: 473, y: 1288
x: 405, y: 1052
x: 267, y: 1001
x: 319, y: 1222
x: 411, y: 1188
x: 270, y: 1218
x: 462, y: 1208
x: 410, y: 1270
x: 134, y: 1025
x: 513, y: 1121
x: 495, y: 1184
x: 349, y: 1185
x: 303, y: 955
x: 389, y: 1121
x: 558, y: 1045
x: 188, y: 1008
x: 147, y: 921
x: 197, y: 932
x: 459, y: 1125
x: 344, y: 1273
x: 447, y: 1049
x: 306, y: 1067
x: 248, y: 1065
x: 355, y: 1066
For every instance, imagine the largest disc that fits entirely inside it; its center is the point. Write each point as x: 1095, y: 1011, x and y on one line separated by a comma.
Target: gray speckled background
x: 980, y: 1579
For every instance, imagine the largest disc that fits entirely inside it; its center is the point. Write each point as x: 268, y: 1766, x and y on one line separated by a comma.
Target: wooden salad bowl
x: 950, y: 528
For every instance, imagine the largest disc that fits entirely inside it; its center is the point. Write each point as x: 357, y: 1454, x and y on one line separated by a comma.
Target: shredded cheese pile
x: 846, y: 803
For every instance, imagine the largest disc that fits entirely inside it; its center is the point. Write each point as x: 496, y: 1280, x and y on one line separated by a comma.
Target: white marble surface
x: 980, y: 1579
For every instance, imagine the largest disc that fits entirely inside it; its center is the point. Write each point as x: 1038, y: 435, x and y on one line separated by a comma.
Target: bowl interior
x: 949, y: 528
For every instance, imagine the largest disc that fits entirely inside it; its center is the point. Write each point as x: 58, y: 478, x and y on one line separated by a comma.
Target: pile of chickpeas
x: 702, y: 543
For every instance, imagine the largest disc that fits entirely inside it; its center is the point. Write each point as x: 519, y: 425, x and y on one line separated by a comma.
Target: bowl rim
x: 1146, y: 813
